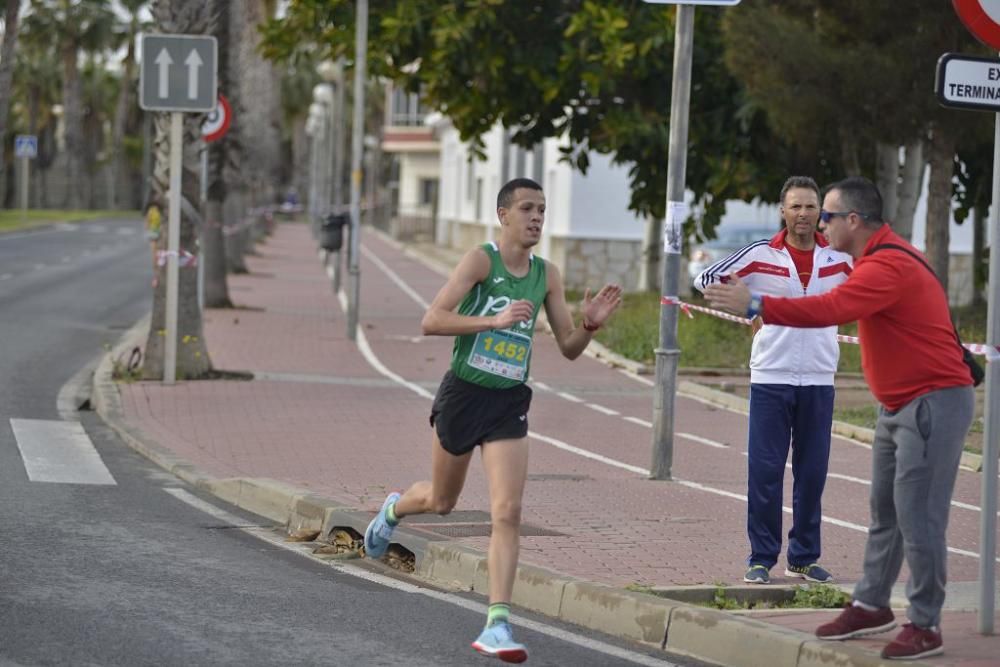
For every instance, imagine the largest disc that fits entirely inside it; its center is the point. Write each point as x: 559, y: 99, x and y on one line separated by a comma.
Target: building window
x: 428, y: 190
x: 406, y: 108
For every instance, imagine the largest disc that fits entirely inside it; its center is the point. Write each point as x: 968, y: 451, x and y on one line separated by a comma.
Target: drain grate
x: 459, y: 516
x: 557, y: 477
x: 468, y: 523
x: 481, y: 530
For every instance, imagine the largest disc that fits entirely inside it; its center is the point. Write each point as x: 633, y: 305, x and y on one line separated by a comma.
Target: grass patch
x: 813, y: 596
x: 859, y: 416
x: 819, y: 596
x: 14, y: 219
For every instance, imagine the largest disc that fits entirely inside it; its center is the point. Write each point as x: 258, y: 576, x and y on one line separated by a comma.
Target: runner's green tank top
x: 499, y: 359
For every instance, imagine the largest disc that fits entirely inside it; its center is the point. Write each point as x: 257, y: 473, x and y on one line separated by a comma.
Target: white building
x: 589, y: 232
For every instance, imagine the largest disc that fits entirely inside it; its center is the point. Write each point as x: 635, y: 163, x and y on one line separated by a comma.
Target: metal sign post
x: 178, y: 74
x: 25, y: 149
x: 667, y: 352
x: 357, y: 136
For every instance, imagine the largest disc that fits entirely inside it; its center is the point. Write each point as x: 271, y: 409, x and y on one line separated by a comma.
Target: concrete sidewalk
x: 327, y: 427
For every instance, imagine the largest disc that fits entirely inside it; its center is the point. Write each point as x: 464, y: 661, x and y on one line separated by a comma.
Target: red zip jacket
x: 908, y: 345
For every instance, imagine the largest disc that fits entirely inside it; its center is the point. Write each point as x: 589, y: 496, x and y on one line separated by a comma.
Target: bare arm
x: 441, y: 318
x: 573, y: 340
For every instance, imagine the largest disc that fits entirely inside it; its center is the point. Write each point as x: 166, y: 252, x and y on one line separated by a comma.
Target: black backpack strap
x: 896, y: 246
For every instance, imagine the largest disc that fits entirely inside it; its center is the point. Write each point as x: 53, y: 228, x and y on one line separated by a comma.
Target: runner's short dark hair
x: 506, y: 196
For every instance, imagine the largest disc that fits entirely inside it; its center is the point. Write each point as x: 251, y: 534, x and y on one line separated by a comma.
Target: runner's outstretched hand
x: 597, y: 309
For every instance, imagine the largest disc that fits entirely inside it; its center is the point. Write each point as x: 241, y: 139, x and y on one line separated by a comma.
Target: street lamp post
x: 357, y: 134
x: 333, y: 74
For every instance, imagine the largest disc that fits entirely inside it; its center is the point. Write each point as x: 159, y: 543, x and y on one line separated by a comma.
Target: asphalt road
x: 143, y: 571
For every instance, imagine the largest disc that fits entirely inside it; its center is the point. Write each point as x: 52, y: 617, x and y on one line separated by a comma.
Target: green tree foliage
x: 71, y: 27
x: 842, y: 77
x: 8, y: 46
x: 597, y: 71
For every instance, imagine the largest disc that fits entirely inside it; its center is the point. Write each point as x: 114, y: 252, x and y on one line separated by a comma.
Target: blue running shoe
x: 379, y: 531
x: 809, y: 572
x: 497, y: 641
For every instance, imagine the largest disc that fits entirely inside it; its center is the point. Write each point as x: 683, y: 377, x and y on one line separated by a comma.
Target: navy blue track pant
x: 783, y: 415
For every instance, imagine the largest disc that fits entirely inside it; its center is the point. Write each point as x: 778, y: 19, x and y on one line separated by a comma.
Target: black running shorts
x: 465, y: 414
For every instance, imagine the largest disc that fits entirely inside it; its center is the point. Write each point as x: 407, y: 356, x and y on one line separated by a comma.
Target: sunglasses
x: 827, y: 216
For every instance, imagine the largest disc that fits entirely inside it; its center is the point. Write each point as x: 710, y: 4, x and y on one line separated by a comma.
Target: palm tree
x: 7, y: 75
x: 224, y: 160
x: 74, y: 26
x: 191, y: 17
x: 99, y: 90
x: 126, y: 33
x: 257, y: 125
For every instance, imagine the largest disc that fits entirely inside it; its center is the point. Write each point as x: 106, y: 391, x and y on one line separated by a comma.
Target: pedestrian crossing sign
x: 26, y: 145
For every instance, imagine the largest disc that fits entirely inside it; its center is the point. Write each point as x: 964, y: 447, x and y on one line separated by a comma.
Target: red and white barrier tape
x: 991, y: 353
x: 184, y: 258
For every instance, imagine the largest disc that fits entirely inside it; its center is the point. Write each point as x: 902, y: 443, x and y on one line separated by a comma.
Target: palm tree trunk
x: 118, y: 181
x: 887, y: 176
x: 73, y: 119
x: 911, y: 183
x: 937, y: 231
x: 7, y: 74
x: 223, y: 168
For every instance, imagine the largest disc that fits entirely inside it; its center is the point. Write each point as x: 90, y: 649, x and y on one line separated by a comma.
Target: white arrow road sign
x: 164, y: 62
x: 178, y: 73
x: 194, y: 62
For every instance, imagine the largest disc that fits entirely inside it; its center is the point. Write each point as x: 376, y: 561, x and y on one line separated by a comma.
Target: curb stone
x: 705, y: 634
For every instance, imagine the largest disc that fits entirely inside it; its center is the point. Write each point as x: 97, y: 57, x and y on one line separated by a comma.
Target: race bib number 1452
x: 504, y: 353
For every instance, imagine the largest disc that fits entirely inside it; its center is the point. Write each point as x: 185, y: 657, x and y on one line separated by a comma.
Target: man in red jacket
x: 913, y: 363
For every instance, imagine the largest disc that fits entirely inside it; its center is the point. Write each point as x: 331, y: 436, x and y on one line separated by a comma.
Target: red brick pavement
x: 320, y: 416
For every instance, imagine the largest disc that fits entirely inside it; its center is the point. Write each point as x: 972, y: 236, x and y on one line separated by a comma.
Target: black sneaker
x: 757, y: 574
x: 809, y: 572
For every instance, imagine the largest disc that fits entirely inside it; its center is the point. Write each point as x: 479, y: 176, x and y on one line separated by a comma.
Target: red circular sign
x: 217, y: 121
x: 981, y: 22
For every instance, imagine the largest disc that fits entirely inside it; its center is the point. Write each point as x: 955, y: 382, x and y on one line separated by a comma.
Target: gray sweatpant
x: 915, y: 460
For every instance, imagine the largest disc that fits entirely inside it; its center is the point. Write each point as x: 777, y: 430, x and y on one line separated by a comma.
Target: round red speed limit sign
x: 982, y: 18
x: 217, y: 121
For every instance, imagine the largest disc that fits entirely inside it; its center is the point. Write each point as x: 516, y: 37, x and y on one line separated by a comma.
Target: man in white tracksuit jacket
x: 791, y: 385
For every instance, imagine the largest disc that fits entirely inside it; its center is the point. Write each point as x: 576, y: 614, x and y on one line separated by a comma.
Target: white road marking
x: 640, y: 422
x: 569, y: 397
x: 347, y: 569
x: 394, y: 277
x: 603, y: 410
x: 369, y: 355
x: 704, y: 441
x: 366, y: 351
x: 60, y: 452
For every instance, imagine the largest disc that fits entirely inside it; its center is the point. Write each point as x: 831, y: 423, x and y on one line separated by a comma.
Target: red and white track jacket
x: 780, y: 354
